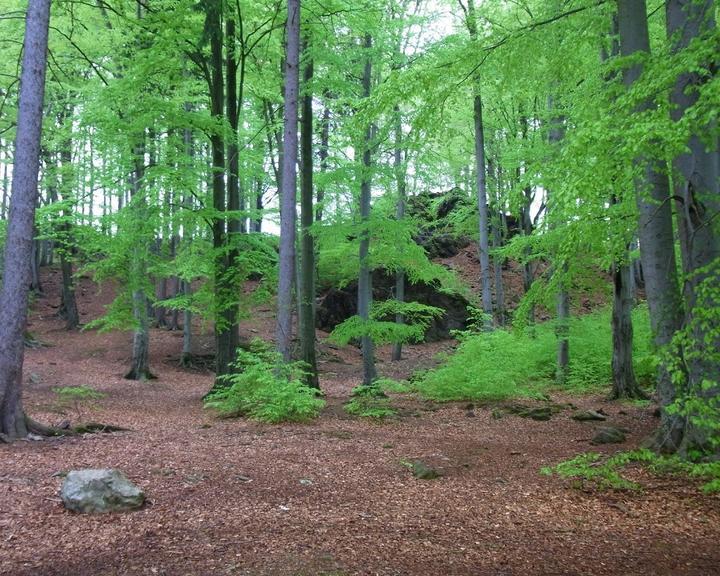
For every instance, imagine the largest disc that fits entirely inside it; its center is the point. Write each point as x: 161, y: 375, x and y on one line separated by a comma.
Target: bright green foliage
x: 382, y: 331
x: 372, y: 401
x: 502, y: 364
x: 77, y: 398
x: 265, y: 388
x: 697, y: 346
x: 595, y: 470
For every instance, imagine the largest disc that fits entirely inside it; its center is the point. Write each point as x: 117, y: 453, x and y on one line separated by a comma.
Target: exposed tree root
x: 95, y: 427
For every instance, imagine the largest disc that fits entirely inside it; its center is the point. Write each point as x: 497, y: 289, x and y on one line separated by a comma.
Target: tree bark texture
x: 625, y: 384
x: 562, y: 329
x: 401, y: 185
x: 655, y: 232
x: 18, y: 246
x: 307, y: 244
x: 224, y: 297
x: 365, y: 275
x: 234, y: 192
x: 140, y: 363
x: 483, y: 219
x: 696, y: 178
x: 481, y: 182
x: 289, y: 181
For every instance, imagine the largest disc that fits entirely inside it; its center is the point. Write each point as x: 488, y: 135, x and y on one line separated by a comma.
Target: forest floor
x: 331, y: 497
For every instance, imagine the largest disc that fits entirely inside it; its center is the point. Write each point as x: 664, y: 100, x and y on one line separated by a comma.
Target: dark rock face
x: 338, y: 304
x: 433, y: 211
x: 440, y: 244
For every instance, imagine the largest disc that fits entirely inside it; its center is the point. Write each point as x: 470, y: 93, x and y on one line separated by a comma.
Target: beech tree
x: 18, y: 245
x: 289, y: 180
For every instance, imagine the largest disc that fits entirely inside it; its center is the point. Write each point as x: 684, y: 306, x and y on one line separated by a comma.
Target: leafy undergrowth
x: 266, y: 389
x: 372, y: 401
x: 595, y: 471
x: 502, y: 364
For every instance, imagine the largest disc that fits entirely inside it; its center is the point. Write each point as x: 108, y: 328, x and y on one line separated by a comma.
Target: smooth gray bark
x: 307, y: 244
x: 696, y: 178
x: 18, y: 246
x: 625, y: 384
x: 5, y: 184
x: 140, y: 363
x: 234, y: 85
x: 481, y: 183
x: 483, y: 218
x: 323, y: 154
x: 187, y: 235
x: 401, y: 184
x: 365, y: 275
x: 655, y: 231
x: 562, y: 328
x: 288, y: 215
x: 224, y: 295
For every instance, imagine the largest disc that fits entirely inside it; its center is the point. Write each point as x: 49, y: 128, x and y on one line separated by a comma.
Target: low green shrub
x: 77, y: 398
x: 502, y: 364
x: 265, y: 388
x: 372, y: 401
x: 595, y: 470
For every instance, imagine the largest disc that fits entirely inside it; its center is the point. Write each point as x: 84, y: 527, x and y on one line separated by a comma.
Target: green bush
x: 77, y: 398
x: 498, y: 365
x: 372, y: 401
x: 266, y: 389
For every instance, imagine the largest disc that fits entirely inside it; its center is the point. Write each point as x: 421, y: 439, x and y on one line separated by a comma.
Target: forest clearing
x: 320, y: 287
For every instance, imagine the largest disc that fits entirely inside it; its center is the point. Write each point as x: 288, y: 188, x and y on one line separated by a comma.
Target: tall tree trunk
x: 5, y: 184
x: 483, y: 220
x: 498, y: 234
x: 224, y: 297
x: 400, y: 215
x: 655, y: 232
x: 186, y: 357
x: 35, y: 283
x: 697, y: 191
x: 307, y: 245
x: 18, y: 245
x: 68, y: 304
x: 259, y: 207
x: 526, y: 226
x: 140, y: 363
x: 497, y: 227
x: 481, y: 183
x: 365, y: 276
x: 289, y: 181
x: 323, y: 154
x: 624, y: 382
x: 562, y: 328
x: 185, y: 285
x: 235, y: 222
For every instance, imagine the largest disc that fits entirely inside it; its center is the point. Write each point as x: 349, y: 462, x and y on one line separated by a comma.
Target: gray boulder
x: 609, y: 435
x: 588, y: 416
x: 98, y: 491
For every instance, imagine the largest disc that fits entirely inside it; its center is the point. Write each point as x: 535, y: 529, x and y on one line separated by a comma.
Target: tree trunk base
x: 630, y: 393
x: 135, y: 374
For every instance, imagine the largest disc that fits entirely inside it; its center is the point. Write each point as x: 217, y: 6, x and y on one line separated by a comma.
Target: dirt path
x: 331, y: 497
